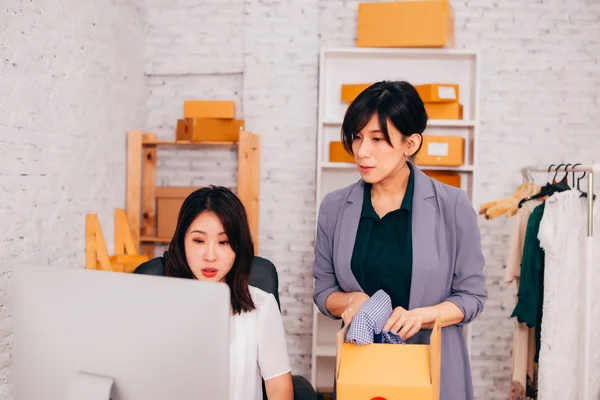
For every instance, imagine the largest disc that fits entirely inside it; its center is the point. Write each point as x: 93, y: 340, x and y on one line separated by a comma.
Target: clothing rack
x: 590, y: 170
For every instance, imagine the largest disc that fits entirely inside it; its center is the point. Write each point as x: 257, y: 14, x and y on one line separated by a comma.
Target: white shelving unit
x: 369, y: 65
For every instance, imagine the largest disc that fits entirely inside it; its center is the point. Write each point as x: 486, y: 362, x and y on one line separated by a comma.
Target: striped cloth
x: 367, y: 325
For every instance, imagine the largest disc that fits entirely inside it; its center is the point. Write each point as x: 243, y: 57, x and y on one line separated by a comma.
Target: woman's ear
x: 413, y: 142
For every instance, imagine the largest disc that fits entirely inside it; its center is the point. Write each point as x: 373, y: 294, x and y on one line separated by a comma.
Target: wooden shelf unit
x: 141, y: 184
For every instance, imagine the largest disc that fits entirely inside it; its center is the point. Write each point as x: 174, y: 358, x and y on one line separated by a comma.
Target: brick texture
x: 71, y: 84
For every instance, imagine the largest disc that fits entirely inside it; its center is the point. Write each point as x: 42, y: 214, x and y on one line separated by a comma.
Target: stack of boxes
x: 209, y: 121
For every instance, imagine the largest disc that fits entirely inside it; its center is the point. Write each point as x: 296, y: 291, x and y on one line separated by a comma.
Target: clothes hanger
x: 551, y: 189
x: 583, y: 194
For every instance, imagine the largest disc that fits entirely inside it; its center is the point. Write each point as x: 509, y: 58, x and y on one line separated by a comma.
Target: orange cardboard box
x: 442, y: 150
x: 416, y: 23
x: 337, y: 153
x: 169, y: 201
x: 209, y: 129
x: 449, y: 178
x: 351, y: 91
x: 209, y: 109
x: 438, y: 93
x: 444, y: 110
x: 389, y: 371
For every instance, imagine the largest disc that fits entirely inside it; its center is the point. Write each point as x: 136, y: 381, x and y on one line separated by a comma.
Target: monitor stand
x: 86, y: 386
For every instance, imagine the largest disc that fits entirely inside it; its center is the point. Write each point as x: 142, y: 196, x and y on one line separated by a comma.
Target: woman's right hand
x: 355, y: 302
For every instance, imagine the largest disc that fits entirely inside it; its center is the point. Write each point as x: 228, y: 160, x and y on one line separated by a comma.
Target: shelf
x: 326, y: 350
x: 399, y: 52
x: 432, y: 123
x: 152, y: 239
x: 464, y: 168
x: 185, y: 143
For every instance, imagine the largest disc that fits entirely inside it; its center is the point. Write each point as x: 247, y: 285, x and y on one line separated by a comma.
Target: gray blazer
x: 447, y: 264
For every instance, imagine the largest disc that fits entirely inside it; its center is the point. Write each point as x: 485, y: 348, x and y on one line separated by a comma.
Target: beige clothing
x: 524, y: 337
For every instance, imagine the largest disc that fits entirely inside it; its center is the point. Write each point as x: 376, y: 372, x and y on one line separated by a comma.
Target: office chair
x: 263, y: 275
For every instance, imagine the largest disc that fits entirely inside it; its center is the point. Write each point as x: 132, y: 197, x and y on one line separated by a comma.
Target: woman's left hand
x: 403, y: 322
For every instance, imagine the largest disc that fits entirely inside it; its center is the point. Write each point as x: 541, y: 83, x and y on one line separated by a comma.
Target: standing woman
x: 398, y: 230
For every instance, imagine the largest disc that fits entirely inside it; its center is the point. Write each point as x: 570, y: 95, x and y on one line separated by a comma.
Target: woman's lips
x: 209, y: 272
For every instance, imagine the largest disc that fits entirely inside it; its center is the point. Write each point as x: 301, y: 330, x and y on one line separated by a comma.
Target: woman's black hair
x: 396, y: 101
x: 230, y: 210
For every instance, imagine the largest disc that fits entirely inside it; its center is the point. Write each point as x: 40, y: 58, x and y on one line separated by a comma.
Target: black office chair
x: 263, y: 275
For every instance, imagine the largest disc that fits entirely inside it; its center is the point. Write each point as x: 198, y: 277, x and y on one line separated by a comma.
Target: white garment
x: 257, y: 347
x: 562, y: 234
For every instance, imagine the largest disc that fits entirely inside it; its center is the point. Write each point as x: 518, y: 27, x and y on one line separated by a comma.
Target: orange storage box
x: 351, y: 91
x: 337, y: 153
x: 418, y: 23
x: 442, y: 150
x: 438, y: 92
x: 169, y: 201
x: 209, y: 129
x: 444, y: 110
x: 389, y: 371
x: 209, y: 109
x: 449, y: 178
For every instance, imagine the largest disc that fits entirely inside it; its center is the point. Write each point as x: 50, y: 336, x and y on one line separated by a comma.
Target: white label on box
x: 437, y: 149
x: 447, y: 92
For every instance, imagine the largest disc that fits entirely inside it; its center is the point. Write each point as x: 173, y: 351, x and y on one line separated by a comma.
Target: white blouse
x: 257, y: 347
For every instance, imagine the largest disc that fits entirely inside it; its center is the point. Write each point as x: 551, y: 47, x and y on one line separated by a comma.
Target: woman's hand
x: 355, y: 302
x: 403, y: 322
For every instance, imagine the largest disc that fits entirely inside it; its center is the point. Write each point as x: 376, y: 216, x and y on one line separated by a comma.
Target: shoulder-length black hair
x: 230, y: 210
x: 396, y: 101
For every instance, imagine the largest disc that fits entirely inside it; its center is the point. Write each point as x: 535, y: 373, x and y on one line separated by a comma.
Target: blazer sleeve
x: 323, y: 270
x: 468, y: 289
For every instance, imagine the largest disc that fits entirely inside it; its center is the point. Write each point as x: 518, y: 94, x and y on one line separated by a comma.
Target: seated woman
x: 212, y: 242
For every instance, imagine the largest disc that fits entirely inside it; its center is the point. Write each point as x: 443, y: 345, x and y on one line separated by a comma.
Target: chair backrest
x: 263, y: 274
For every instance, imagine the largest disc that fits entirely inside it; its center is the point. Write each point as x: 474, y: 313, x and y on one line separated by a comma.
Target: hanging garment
x: 367, y: 325
x: 562, y: 234
x: 523, y: 352
x: 531, y: 282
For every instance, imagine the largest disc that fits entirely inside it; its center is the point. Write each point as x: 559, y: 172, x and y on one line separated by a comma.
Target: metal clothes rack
x: 590, y: 170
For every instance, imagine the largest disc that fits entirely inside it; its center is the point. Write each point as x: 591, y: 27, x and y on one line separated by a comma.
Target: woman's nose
x: 210, y: 253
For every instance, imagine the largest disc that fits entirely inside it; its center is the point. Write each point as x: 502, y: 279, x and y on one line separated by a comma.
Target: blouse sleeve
x: 273, y: 358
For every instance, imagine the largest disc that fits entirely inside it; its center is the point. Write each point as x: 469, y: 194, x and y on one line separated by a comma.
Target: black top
x: 382, y: 256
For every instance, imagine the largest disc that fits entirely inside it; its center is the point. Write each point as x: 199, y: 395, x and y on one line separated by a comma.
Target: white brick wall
x: 539, y: 104
x: 71, y: 84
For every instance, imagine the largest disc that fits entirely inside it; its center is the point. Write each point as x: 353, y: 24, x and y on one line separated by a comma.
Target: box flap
x: 339, y: 342
x: 435, y: 351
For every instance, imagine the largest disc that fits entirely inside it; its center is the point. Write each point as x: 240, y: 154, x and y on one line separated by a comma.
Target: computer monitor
x: 93, y: 335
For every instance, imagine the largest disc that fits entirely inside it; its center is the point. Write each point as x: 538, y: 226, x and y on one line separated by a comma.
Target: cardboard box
x: 337, y: 153
x: 449, y: 178
x: 209, y: 109
x: 351, y: 91
x: 438, y: 93
x: 442, y: 150
x: 417, y: 23
x: 169, y: 201
x: 389, y: 371
x: 444, y: 110
x: 209, y: 129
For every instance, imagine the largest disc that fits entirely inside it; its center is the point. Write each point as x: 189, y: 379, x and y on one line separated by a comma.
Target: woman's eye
x: 356, y: 137
x: 223, y: 242
x: 377, y: 139
x: 198, y: 240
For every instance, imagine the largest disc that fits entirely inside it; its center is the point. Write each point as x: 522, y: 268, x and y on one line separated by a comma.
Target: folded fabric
x: 367, y: 325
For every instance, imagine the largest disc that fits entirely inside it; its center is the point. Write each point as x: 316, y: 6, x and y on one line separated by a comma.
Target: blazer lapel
x: 347, y: 234
x: 423, y: 236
